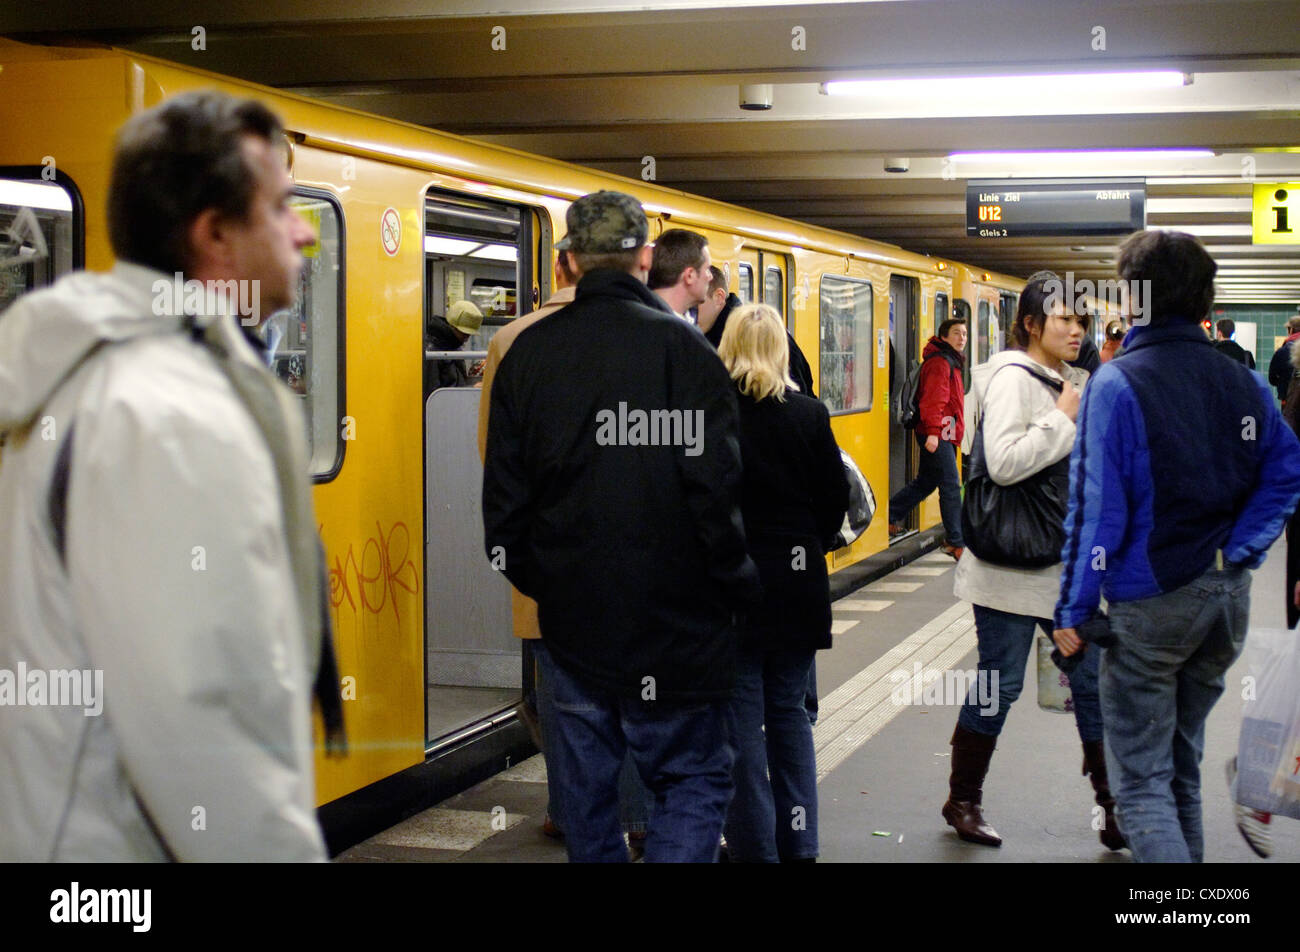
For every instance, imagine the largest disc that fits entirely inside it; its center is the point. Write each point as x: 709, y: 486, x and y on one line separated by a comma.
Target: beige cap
x: 465, y: 317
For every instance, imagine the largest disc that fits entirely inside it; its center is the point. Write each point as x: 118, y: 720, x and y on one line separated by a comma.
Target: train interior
x: 36, y: 240
x: 905, y: 342
x: 472, y: 659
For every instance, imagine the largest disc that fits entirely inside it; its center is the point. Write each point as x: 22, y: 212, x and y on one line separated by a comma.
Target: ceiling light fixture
x: 1009, y: 87
x: 1055, y: 155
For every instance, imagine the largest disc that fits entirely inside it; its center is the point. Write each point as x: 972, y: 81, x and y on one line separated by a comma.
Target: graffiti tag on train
x: 371, y: 581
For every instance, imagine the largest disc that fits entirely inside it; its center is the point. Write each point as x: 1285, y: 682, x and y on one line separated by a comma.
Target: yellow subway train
x: 409, y: 221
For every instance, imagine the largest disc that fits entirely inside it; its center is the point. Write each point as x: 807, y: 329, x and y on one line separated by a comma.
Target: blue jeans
x: 1005, y: 642
x: 680, y: 750
x: 634, y: 800
x: 937, y: 470
x: 1158, y: 684
x: 773, y: 815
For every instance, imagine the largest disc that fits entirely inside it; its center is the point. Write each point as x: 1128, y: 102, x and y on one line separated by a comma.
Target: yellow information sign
x: 1276, y: 214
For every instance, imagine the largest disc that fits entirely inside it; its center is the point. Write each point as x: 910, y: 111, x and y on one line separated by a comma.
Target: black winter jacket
x: 794, y: 497
x: 444, y: 373
x: 800, y: 371
x: 635, y: 552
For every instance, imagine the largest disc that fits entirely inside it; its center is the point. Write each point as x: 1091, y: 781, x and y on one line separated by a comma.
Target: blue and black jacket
x: 1180, y: 451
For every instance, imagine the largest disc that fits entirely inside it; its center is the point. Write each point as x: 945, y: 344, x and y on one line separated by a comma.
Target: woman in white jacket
x: 1027, y: 427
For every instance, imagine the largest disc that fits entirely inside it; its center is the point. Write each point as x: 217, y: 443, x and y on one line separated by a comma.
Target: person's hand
x: 931, y: 443
x: 1068, y: 401
x: 1067, y: 639
x: 1295, y: 596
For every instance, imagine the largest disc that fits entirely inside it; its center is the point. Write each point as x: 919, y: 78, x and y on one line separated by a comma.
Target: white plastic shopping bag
x: 1268, y: 749
x: 1053, y: 685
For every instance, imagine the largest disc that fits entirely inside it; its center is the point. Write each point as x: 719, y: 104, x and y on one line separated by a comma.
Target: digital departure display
x: 1027, y: 208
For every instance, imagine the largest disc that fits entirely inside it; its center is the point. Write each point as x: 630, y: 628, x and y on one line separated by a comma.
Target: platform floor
x: 883, y: 767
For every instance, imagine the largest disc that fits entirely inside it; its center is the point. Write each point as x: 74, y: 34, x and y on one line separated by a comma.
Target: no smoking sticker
x: 390, y: 231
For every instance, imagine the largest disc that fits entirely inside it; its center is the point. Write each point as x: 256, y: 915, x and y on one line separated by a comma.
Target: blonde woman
x: 793, y: 497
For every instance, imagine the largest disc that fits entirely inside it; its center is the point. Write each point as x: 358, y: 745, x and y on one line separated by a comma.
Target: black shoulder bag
x: 1021, y: 525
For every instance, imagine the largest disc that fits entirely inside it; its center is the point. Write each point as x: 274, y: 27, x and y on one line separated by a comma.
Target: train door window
x: 1006, y: 314
x: 846, y: 344
x: 471, y: 253
x: 982, y: 331
x: 940, y: 310
x: 746, y: 290
x: 961, y: 311
x: 41, y: 232
x: 305, y: 342
x: 774, y: 290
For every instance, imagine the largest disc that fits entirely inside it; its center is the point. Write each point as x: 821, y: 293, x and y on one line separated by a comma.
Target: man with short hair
x: 611, y: 496
x: 165, y: 536
x: 1224, y: 328
x: 1171, y: 559
x: 1280, y: 370
x: 679, y: 270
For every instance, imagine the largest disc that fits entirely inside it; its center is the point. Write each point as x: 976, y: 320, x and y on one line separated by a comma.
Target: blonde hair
x: 755, y: 349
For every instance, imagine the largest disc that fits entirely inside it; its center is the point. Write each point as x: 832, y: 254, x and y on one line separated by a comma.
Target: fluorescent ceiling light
x: 1007, y: 87
x: 34, y: 195
x: 1139, y: 155
x: 1210, y: 231
x: 496, y: 253
x: 437, y: 245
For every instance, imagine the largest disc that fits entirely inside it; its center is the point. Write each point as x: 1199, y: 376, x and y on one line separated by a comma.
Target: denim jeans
x: 1158, y: 684
x: 634, y: 800
x: 1005, y: 643
x: 773, y: 815
x: 937, y: 470
x: 680, y: 750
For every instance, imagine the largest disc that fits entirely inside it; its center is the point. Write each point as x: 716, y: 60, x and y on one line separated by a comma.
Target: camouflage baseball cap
x: 604, y: 223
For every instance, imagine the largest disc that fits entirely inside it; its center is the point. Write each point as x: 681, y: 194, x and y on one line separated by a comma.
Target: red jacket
x: 942, y: 393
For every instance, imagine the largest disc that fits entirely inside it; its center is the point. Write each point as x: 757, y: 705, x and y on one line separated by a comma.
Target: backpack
x: 907, y: 412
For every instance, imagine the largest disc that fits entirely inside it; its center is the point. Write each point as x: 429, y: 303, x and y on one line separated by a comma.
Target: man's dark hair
x: 719, y: 280
x: 1032, y: 309
x: 1225, y: 326
x: 1179, y: 269
x: 676, y: 250
x: 949, y: 324
x: 175, y: 161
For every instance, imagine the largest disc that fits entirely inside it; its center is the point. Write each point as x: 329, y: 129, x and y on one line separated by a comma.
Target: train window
x: 940, y: 310
x: 471, y: 253
x: 306, y: 341
x: 773, y: 290
x: 40, y: 234
x: 746, y: 290
x: 846, y: 344
x: 982, y: 334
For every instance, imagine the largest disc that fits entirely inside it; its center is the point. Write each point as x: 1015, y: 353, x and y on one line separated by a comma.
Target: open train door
x: 905, y: 350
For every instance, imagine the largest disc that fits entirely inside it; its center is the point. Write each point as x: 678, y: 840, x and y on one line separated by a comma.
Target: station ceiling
x: 640, y: 88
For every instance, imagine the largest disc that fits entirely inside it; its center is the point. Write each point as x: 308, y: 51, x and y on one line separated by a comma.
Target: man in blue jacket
x: 1182, y: 475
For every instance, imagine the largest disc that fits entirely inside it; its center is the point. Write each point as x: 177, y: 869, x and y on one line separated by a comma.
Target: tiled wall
x: 1270, y: 321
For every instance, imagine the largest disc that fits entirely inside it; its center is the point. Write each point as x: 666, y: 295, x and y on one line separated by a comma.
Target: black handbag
x: 1021, y: 525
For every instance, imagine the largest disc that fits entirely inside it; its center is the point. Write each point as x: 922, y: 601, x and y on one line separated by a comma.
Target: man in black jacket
x: 611, y: 496
x: 1224, y: 344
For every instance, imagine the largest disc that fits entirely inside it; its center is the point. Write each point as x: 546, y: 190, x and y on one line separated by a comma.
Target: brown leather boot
x: 1094, y: 765
x: 971, y: 753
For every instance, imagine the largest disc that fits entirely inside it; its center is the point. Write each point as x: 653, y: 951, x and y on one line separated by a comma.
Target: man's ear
x: 645, y: 258
x: 208, y: 241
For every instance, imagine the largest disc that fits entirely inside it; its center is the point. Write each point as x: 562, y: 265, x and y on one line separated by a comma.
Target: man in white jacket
x: 161, y: 623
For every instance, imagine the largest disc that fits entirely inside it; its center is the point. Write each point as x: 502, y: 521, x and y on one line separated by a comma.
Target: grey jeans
x: 1158, y: 683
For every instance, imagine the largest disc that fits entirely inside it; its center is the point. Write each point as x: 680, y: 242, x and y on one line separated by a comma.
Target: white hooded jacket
x: 178, y: 584
x: 1024, y: 432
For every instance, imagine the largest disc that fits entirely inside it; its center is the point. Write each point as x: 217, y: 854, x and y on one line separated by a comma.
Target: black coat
x: 1089, y: 358
x: 1230, y: 348
x: 635, y: 553
x: 443, y: 373
x: 794, y: 497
